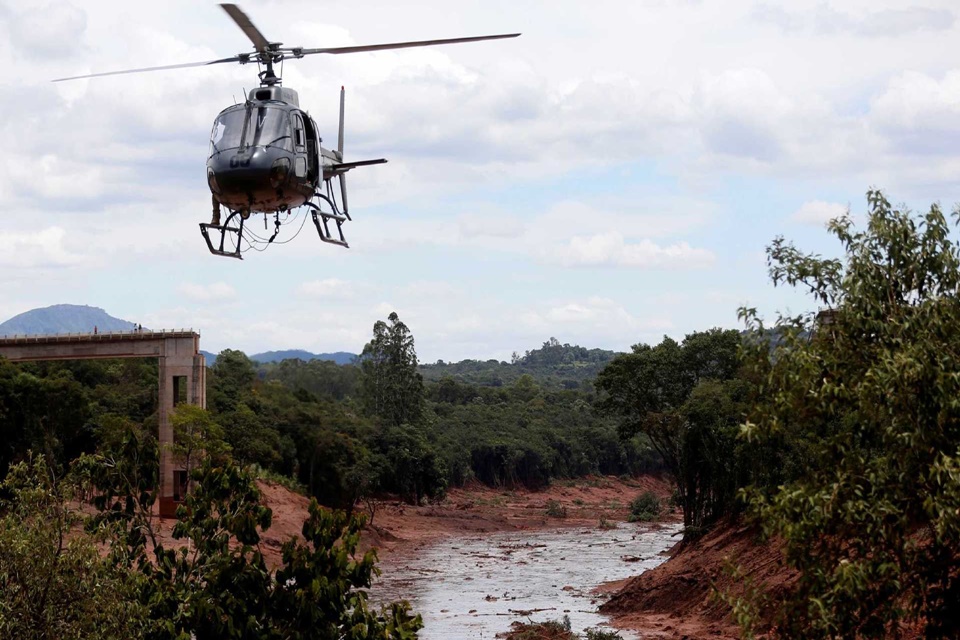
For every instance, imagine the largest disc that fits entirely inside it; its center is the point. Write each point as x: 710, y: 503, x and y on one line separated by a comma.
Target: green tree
x: 864, y: 402
x: 410, y: 464
x: 53, y: 581
x: 250, y: 438
x: 233, y: 375
x: 687, y: 399
x: 391, y: 385
x: 196, y: 438
x: 45, y: 414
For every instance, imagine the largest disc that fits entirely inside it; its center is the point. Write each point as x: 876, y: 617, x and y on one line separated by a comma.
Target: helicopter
x: 266, y: 155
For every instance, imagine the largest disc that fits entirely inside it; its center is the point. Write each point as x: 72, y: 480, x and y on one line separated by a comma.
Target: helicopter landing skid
x: 225, y: 230
x: 321, y: 220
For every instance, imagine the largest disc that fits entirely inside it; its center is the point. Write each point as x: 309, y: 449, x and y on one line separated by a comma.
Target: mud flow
x: 474, y: 587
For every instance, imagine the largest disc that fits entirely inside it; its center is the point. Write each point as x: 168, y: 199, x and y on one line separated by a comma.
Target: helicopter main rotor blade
x: 401, y: 45
x: 163, y: 68
x: 246, y: 25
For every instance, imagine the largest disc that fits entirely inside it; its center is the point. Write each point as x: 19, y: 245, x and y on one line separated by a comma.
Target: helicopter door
x: 299, y: 145
x: 312, y: 157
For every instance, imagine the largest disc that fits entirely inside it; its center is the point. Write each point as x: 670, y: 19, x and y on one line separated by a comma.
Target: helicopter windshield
x: 256, y: 126
x: 271, y: 128
x: 227, y: 130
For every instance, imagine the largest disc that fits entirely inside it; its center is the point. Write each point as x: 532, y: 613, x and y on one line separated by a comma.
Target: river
x: 474, y: 587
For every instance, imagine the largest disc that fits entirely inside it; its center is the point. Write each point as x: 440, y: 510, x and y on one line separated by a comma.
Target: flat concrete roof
x: 106, y: 336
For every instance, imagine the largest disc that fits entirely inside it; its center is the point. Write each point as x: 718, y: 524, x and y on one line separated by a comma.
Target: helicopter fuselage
x: 265, y: 154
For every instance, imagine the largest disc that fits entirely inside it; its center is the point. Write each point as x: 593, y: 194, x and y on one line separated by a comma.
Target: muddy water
x: 474, y: 587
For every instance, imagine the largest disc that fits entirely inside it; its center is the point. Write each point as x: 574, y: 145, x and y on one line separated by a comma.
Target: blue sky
x: 610, y: 177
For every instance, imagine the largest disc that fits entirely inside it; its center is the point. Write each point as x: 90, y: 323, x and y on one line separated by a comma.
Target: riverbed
x: 474, y: 586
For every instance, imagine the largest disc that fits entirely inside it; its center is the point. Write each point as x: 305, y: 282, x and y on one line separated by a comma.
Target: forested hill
x: 553, y: 365
x: 340, y: 357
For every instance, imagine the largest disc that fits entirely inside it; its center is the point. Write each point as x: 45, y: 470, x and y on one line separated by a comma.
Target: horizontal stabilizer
x: 346, y: 166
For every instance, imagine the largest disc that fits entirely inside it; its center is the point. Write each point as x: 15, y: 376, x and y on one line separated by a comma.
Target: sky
x: 610, y: 177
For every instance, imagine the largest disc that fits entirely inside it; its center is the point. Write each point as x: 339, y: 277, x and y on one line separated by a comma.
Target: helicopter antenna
x: 340, y: 136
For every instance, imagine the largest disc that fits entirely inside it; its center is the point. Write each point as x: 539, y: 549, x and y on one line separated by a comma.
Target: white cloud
x: 493, y: 225
x: 49, y: 29
x: 611, y: 250
x: 434, y: 290
x: 214, y: 292
x: 384, y: 309
x: 818, y: 212
x: 328, y: 288
x: 40, y: 249
x: 826, y: 20
x: 919, y: 114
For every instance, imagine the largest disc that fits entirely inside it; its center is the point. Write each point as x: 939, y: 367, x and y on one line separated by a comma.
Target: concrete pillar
x: 179, y: 360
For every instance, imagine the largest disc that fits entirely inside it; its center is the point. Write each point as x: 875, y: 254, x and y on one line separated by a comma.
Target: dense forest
x: 317, y: 423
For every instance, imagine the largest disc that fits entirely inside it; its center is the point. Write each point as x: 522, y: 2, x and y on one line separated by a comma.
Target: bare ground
x: 679, y: 599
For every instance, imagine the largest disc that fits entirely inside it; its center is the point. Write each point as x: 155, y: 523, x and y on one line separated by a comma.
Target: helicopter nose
x: 240, y: 175
x: 246, y: 171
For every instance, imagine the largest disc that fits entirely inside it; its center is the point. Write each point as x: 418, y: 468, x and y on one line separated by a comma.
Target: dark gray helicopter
x: 266, y: 154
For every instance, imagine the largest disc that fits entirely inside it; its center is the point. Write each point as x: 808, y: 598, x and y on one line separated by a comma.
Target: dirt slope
x: 398, y: 527
x: 677, y: 599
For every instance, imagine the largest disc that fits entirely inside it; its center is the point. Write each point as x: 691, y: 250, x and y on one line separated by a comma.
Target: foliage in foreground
x: 213, y: 584
x: 53, y: 583
x: 863, y: 413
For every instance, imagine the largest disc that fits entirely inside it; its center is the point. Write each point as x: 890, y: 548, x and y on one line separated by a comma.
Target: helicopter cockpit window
x: 270, y: 129
x: 227, y: 130
x: 298, y: 137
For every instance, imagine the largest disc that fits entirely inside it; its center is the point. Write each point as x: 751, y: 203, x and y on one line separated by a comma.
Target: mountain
x: 63, y: 318
x: 340, y: 357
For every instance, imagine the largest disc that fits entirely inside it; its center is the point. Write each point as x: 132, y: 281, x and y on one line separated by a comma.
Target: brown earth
x: 679, y: 599
x: 398, y: 527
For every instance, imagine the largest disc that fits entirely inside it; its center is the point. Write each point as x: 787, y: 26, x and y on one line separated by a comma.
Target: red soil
x: 397, y: 527
x: 679, y: 599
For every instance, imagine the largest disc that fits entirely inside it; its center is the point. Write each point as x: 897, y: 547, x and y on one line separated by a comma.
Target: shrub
x: 555, y: 509
x: 645, y: 507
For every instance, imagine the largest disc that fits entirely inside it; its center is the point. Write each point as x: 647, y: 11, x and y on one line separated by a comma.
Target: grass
x: 556, y: 510
x: 284, y: 481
